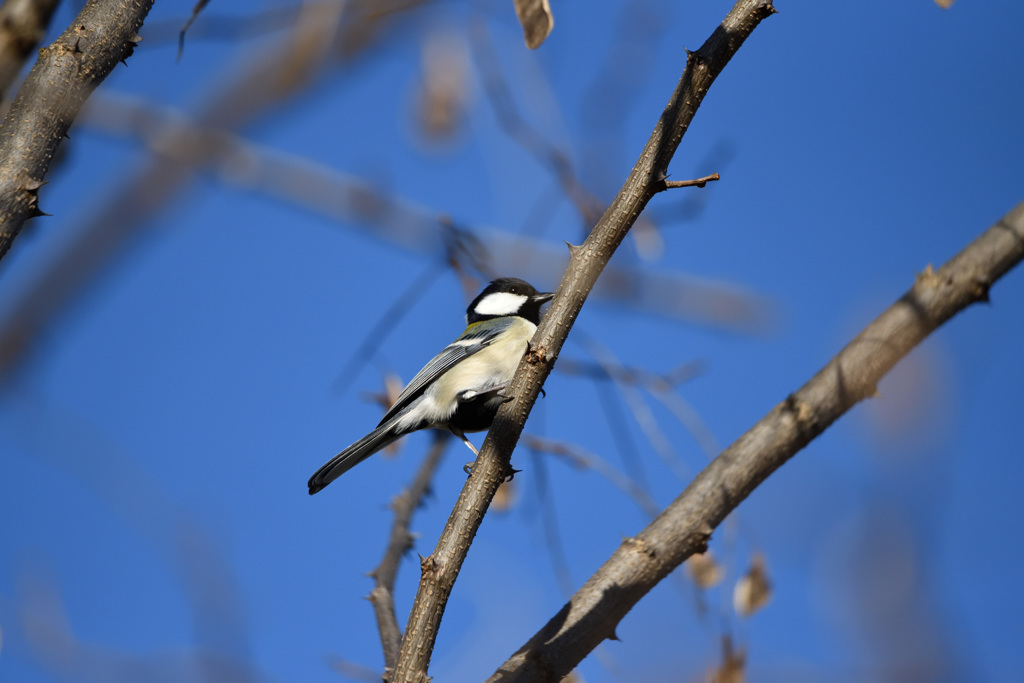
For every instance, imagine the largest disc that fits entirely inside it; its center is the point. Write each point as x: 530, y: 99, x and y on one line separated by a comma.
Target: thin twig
x: 685, y: 526
x: 549, y: 522
x: 386, y: 323
x: 530, y: 138
x: 199, y: 7
x: 688, y: 417
x: 382, y: 597
x: 587, y: 261
x: 696, y: 182
x: 628, y: 374
x: 582, y: 458
x: 641, y: 411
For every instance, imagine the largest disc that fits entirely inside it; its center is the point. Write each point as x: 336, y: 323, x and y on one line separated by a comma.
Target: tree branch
x: 684, y: 528
x: 66, y: 73
x: 382, y: 597
x: 696, y: 182
x: 586, y: 263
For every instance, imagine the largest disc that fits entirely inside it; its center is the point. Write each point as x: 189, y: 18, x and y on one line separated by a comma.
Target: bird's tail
x: 379, y: 438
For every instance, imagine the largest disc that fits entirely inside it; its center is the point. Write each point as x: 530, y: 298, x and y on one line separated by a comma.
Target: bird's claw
x: 511, y: 472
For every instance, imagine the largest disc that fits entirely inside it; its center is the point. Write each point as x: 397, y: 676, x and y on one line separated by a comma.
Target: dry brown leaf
x: 704, y: 570
x: 444, y: 90
x: 733, y: 667
x: 392, y: 388
x: 537, y: 21
x: 753, y: 590
x: 944, y: 4
x: 506, y: 496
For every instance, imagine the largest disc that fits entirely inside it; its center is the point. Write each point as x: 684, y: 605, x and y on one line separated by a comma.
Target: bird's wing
x: 477, y: 337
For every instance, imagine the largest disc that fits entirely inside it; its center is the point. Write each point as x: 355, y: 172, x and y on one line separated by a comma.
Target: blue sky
x: 157, y: 441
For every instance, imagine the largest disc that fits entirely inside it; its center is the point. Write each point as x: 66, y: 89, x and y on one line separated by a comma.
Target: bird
x: 459, y: 390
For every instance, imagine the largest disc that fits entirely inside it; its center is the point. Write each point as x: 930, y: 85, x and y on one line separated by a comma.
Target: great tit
x: 460, y: 389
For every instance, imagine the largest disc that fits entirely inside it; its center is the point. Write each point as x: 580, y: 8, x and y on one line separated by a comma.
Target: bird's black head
x: 507, y: 296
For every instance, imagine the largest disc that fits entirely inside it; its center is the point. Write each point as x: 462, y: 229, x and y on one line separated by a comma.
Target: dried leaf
x: 392, y: 388
x: 444, y: 89
x: 505, y: 497
x: 733, y: 667
x: 537, y: 21
x: 704, y: 570
x: 944, y: 4
x: 753, y: 590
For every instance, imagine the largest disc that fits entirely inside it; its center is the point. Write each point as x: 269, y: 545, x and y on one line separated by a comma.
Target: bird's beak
x: 543, y: 297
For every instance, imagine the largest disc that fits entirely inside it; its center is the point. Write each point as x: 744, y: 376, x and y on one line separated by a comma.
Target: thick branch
x: 586, y: 263
x: 685, y: 526
x: 103, y: 34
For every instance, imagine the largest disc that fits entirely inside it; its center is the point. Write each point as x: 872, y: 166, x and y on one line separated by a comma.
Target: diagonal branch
x: 586, y: 263
x: 66, y: 73
x: 684, y: 528
x: 382, y: 597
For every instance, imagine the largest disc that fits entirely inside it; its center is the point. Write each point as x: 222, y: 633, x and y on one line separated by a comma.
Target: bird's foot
x: 509, y: 476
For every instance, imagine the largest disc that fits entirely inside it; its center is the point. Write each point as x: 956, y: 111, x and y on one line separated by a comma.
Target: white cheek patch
x: 500, y: 303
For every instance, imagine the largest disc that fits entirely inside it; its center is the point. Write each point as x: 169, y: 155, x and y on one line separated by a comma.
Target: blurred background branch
x: 22, y: 25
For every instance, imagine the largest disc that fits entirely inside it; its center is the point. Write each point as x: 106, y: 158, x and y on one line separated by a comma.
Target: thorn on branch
x: 31, y: 188
x: 133, y: 40
x: 703, y: 538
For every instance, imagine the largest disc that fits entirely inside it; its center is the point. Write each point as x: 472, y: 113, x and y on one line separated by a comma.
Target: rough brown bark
x: 66, y: 73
